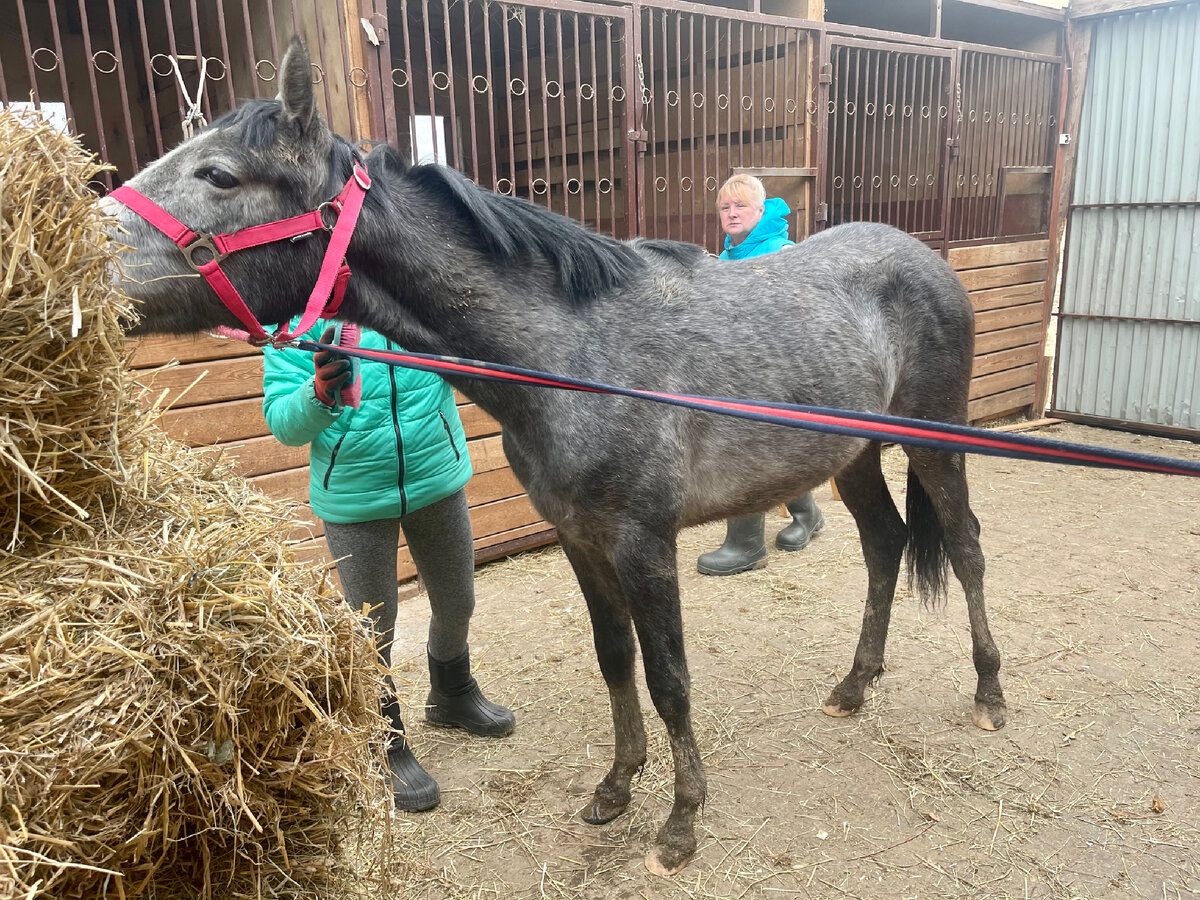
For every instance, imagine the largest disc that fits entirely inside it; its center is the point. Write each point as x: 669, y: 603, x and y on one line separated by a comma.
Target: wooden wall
x: 215, y: 394
x: 1007, y: 285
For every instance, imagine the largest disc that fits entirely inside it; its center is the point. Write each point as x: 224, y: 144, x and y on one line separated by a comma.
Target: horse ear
x: 296, y: 84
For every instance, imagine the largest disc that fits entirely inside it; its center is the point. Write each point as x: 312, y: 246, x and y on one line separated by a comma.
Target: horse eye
x: 217, y: 177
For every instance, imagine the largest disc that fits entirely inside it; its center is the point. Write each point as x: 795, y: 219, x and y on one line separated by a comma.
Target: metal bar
x: 581, y: 152
x: 433, y: 134
x: 949, y: 140
x: 453, y: 138
x: 1137, y: 427
x: 91, y: 71
x: 593, y: 51
x: 151, y: 93
x: 62, y: 70
x: 345, y: 35
x: 120, y: 66
x: 199, y: 51
x: 545, y: 104
x: 225, y: 53
x: 562, y: 115
x: 409, y: 82
x: 1136, y: 204
x: 29, y: 66
x: 508, y: 95
x: 691, y: 93
x: 271, y: 25
x: 633, y: 113
x: 251, y: 56
x: 490, y: 95
x: 708, y: 202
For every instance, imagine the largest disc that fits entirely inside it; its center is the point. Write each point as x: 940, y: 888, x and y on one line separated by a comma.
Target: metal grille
x: 1001, y: 172
x: 889, y: 120
x: 719, y: 94
x: 133, y: 78
x: 528, y: 100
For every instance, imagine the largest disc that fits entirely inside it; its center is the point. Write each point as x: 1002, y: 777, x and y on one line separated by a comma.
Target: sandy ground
x: 1092, y: 790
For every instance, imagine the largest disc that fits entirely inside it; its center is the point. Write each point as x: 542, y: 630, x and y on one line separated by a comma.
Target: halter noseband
x: 204, y: 252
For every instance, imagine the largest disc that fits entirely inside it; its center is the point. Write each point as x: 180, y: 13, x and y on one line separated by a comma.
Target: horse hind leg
x: 938, y: 502
x: 612, y: 633
x: 882, y: 534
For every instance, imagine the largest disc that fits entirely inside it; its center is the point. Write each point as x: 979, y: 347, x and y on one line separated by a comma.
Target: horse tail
x: 926, y: 550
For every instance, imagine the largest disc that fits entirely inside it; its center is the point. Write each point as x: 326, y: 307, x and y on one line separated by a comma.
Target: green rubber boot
x: 806, y: 521
x: 744, y: 548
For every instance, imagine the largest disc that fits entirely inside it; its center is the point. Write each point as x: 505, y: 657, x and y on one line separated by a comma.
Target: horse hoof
x: 600, y: 813
x: 838, y: 711
x: 656, y: 862
x: 989, y: 717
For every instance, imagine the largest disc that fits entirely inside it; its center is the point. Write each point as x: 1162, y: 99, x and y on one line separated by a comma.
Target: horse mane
x: 673, y: 254
x: 512, y: 230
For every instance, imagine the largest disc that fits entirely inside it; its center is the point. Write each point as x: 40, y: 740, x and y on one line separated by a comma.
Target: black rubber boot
x: 413, y: 787
x: 744, y: 548
x: 455, y: 700
x: 806, y: 521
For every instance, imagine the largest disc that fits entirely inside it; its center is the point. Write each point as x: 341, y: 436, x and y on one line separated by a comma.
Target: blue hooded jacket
x: 769, y: 235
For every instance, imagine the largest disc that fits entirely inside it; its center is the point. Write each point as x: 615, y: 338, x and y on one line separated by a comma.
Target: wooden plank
x: 1001, y: 404
x: 1083, y: 8
x: 1009, y: 379
x: 983, y: 255
x: 477, y: 423
x: 1008, y: 337
x: 198, y: 426
x: 263, y: 455
x: 1010, y: 317
x: 494, y: 485
x: 289, y: 485
x: 486, y: 453
x: 1005, y: 359
x: 998, y: 276
x: 219, y: 379
x: 503, y: 515
x: 1013, y: 295
x: 158, y: 350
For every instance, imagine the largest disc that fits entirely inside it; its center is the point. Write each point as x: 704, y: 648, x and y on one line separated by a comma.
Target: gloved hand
x: 333, y: 371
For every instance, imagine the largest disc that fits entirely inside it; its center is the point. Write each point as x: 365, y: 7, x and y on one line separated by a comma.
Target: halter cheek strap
x: 204, y: 253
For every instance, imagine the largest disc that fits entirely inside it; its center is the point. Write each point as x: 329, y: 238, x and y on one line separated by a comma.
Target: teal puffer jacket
x: 401, y: 450
x: 769, y: 235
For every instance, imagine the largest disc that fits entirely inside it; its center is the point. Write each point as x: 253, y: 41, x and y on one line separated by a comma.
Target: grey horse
x: 860, y: 316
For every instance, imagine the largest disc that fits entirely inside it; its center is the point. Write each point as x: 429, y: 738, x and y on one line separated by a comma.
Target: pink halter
x: 326, y: 294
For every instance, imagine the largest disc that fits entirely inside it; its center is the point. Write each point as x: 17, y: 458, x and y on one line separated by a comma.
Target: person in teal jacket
x: 755, y: 226
x: 395, y: 461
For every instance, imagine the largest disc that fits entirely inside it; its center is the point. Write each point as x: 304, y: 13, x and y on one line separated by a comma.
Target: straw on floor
x: 184, y: 709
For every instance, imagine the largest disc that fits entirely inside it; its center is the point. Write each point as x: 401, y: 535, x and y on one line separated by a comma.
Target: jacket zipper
x: 449, y: 435
x: 399, y: 437
x: 332, y: 460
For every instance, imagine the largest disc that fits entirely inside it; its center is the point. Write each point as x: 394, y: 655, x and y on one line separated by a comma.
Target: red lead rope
x: 326, y: 294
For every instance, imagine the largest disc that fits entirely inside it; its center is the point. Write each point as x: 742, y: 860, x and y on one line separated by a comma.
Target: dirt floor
x: 1092, y: 790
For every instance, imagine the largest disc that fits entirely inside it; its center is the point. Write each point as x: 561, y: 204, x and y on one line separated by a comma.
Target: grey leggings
x: 439, y: 538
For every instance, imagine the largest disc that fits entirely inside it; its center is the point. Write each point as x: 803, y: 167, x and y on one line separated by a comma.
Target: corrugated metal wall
x: 1129, y: 328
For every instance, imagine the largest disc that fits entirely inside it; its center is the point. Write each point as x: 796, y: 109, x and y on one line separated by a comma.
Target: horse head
x: 265, y: 161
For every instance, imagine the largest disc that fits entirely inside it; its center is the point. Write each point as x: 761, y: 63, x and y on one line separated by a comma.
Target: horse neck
x: 424, y: 283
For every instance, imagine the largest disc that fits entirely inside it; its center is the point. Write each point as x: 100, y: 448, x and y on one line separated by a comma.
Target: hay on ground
x: 184, y: 709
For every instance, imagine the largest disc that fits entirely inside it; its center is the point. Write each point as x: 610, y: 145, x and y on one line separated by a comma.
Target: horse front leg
x: 881, y: 533
x: 612, y: 633
x: 647, y: 567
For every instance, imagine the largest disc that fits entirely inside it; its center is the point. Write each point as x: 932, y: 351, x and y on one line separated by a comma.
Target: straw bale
x: 184, y: 710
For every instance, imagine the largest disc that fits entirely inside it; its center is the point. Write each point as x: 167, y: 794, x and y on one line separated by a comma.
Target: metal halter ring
x: 445, y: 81
x: 475, y: 84
x: 403, y: 72
x: 354, y: 76
x: 203, y: 242
x: 259, y: 72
